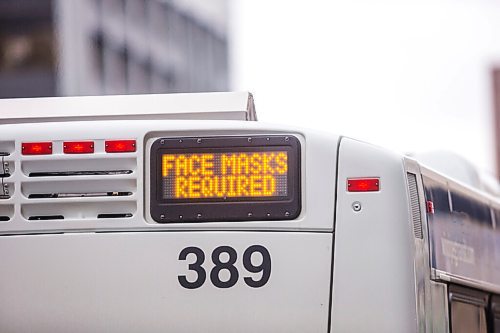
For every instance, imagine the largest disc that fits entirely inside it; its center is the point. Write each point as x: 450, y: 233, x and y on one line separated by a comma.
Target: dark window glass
x: 471, y: 209
x: 438, y: 194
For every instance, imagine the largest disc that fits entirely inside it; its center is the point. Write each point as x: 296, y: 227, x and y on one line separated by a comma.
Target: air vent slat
x: 79, y: 173
x: 4, y: 218
x: 78, y: 189
x: 415, y: 206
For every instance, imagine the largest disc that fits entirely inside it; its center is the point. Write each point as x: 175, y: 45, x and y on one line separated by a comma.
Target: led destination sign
x: 225, y: 175
x: 225, y: 179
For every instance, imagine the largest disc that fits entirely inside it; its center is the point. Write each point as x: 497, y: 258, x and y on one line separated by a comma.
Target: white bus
x: 181, y: 213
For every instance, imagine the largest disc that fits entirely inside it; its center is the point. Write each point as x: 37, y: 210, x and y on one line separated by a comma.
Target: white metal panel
x: 231, y: 106
x: 128, y: 282
x: 318, y: 154
x: 373, y: 275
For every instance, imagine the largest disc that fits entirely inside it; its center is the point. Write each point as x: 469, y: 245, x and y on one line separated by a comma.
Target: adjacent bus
x: 181, y: 213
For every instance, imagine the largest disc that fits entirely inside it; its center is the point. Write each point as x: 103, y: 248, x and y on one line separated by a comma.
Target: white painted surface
x: 128, y: 283
x: 234, y: 106
x: 318, y: 160
x: 373, y: 272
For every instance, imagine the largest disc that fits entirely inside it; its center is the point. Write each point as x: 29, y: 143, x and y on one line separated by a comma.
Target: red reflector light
x: 81, y: 147
x: 36, y: 148
x: 430, y: 207
x: 363, y: 185
x: 120, y: 146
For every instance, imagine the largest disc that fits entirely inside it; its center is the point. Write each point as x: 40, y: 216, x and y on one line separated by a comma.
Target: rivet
x: 198, y: 141
x: 287, y: 213
x: 198, y: 215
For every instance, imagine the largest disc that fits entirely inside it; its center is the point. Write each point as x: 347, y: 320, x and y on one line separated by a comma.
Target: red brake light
x: 36, y: 148
x: 363, y: 185
x: 81, y: 147
x: 120, y: 146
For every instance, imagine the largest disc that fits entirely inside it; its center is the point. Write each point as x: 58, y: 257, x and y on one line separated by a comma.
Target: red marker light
x: 36, y: 148
x: 120, y: 146
x: 81, y: 147
x: 363, y: 185
x: 430, y: 207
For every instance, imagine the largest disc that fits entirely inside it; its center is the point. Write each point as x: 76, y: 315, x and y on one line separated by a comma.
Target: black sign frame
x: 226, y: 209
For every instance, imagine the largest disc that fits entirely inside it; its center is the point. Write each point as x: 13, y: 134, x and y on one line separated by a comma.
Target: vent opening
x: 79, y: 173
x: 114, y: 216
x: 78, y: 195
x: 45, y: 217
x: 72, y: 210
x: 415, y: 206
x: 6, y: 148
x: 6, y: 212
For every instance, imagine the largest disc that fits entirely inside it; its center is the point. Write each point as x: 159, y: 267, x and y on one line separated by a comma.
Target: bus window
x: 471, y: 210
x: 495, y: 314
x: 467, y: 310
x: 438, y: 194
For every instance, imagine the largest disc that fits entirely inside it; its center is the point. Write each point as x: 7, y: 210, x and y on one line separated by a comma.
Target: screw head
x: 356, y: 206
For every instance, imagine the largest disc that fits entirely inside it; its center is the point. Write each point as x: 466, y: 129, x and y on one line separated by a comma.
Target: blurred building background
x: 27, y: 48
x: 93, y: 47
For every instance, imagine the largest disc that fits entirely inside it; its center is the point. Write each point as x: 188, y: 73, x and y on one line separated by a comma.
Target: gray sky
x: 406, y: 75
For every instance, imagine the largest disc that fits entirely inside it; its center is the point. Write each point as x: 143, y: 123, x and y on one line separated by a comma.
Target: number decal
x: 196, y: 266
x: 226, y: 266
x: 219, y: 266
x: 264, y: 267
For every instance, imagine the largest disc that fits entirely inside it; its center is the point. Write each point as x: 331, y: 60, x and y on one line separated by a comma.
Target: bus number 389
x: 223, y: 264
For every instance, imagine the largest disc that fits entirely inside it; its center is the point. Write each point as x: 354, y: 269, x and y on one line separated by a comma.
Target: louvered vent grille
x: 79, y: 188
x: 6, y: 184
x: 415, y: 205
